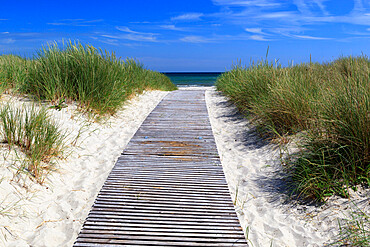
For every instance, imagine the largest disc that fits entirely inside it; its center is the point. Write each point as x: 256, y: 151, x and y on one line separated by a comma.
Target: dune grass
x: 13, y: 72
x: 328, y: 103
x: 94, y: 78
x: 97, y: 79
x: 35, y: 133
x: 355, y: 231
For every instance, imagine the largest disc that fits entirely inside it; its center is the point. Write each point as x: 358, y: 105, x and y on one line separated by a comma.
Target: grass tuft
x: 13, y: 72
x: 96, y: 78
x: 355, y: 231
x: 329, y: 103
x: 35, y: 133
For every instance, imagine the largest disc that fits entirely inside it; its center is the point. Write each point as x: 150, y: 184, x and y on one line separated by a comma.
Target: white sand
x: 52, y: 215
x: 252, y: 171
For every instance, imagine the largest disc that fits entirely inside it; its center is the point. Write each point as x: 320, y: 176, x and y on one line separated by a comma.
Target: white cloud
x: 75, y: 22
x: 287, y: 18
x: 195, y: 39
x: 309, y: 37
x: 139, y: 37
x: 278, y: 15
x: 257, y: 3
x: 108, y: 41
x: 171, y: 27
x: 132, y: 35
x: 125, y: 29
x: 254, y: 30
x: 258, y: 38
x: 187, y: 17
x: 109, y: 36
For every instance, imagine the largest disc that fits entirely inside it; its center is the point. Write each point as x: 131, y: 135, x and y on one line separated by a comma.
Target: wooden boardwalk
x: 168, y: 187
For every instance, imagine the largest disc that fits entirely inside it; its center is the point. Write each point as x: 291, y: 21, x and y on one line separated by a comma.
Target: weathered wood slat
x: 167, y: 225
x: 164, y: 190
x: 168, y: 187
x: 167, y: 211
x: 127, y: 183
x: 91, y: 242
x: 154, y: 228
x: 165, y: 234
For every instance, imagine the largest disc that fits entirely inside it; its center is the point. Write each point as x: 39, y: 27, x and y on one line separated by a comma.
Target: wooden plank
x: 168, y: 187
x: 169, y: 229
x: 167, y: 225
x: 164, y: 234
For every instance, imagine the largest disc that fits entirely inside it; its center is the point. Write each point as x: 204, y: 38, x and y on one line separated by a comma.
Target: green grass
x: 355, y: 230
x: 329, y: 103
x: 35, y: 133
x: 13, y: 72
x: 95, y: 78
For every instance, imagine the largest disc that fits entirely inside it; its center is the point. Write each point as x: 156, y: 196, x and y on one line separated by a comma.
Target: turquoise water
x: 193, y: 78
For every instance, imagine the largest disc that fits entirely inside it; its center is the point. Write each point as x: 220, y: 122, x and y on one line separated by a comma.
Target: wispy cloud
x: 258, y: 3
x: 109, y: 41
x: 3, y: 19
x: 7, y: 41
x: 295, y: 16
x: 75, y: 22
x: 171, y: 27
x: 278, y: 15
x: 133, y: 35
x: 126, y: 29
x: 309, y: 37
x: 188, y: 17
x: 254, y: 30
x: 258, y: 38
x: 195, y: 39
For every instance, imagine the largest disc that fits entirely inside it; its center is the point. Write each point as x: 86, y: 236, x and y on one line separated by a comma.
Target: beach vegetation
x: 95, y: 78
x: 327, y: 105
x: 58, y: 74
x: 13, y: 72
x: 33, y: 131
x: 355, y: 229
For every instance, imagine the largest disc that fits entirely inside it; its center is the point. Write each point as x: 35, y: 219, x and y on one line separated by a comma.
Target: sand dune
x: 51, y: 215
x: 252, y: 170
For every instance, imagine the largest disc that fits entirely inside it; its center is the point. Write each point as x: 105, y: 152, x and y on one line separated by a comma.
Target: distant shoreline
x: 193, y: 78
x: 191, y: 73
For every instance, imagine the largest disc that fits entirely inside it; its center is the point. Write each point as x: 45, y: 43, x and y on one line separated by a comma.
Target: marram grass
x: 97, y: 79
x: 328, y: 103
x: 13, y: 72
x: 34, y: 132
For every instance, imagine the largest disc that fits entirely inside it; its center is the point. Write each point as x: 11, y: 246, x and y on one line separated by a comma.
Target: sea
x: 200, y: 79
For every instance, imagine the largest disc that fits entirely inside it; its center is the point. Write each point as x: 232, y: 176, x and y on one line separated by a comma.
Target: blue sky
x: 193, y: 35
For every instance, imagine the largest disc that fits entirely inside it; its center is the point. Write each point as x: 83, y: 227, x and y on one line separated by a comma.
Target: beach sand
x: 253, y: 170
x: 52, y: 214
